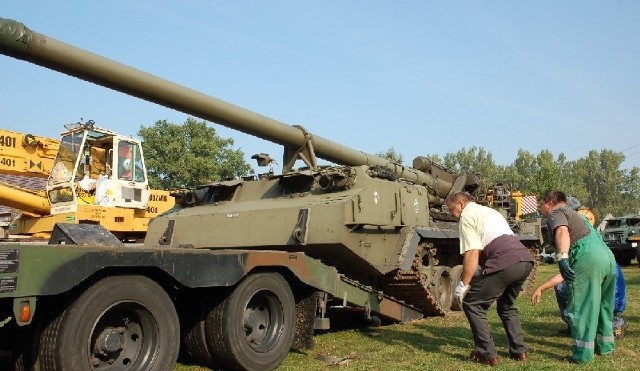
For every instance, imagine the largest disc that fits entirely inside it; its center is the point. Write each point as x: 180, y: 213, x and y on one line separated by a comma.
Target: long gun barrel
x: 18, y: 41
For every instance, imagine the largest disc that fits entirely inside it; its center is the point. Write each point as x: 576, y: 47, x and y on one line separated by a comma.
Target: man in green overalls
x: 588, y: 267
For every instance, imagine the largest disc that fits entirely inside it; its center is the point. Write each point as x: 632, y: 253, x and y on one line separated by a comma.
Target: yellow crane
x: 94, y: 176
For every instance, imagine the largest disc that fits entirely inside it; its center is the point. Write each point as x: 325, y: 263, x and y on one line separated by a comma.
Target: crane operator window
x: 130, y: 165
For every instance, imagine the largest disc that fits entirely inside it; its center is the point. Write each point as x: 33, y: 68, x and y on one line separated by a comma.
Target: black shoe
x: 569, y: 359
x: 565, y: 331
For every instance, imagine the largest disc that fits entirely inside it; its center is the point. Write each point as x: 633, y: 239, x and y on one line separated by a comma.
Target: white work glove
x: 461, y: 291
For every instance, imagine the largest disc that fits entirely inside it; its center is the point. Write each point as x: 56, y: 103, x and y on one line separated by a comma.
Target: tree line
x: 597, y: 179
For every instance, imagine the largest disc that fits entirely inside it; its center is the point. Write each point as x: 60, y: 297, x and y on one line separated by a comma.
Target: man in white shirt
x: 495, y: 266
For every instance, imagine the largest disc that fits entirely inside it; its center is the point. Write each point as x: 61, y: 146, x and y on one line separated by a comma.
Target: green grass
x: 444, y: 343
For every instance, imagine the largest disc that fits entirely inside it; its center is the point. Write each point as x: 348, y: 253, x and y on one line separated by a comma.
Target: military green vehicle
x: 240, y: 271
x: 634, y: 241
x: 620, y: 235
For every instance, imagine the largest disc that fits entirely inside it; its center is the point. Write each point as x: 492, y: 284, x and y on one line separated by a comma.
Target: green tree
x: 596, y: 180
x: 631, y: 191
x: 392, y: 155
x: 520, y: 172
x: 547, y: 173
x: 475, y: 160
x: 189, y: 154
x: 531, y: 173
x: 435, y: 158
x: 604, y: 181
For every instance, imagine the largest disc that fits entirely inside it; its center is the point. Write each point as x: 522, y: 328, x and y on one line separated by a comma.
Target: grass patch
x: 444, y: 343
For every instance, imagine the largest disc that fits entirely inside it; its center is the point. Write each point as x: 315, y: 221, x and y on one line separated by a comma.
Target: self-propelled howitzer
x: 381, y: 225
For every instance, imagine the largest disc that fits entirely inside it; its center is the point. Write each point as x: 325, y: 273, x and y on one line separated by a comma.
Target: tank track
x: 529, y: 284
x: 413, y: 287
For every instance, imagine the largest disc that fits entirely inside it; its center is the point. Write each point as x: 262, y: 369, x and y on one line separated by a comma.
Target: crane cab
x: 95, y: 166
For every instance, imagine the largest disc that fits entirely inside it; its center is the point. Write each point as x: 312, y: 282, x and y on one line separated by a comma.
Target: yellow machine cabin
x: 95, y: 176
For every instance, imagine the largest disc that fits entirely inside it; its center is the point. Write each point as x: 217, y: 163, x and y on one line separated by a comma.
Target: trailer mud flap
x: 83, y: 235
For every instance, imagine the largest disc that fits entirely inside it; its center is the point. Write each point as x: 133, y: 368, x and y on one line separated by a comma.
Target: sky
x: 422, y: 77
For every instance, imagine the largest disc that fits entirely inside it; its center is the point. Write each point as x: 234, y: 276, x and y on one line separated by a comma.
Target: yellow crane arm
x: 23, y: 199
x: 26, y: 154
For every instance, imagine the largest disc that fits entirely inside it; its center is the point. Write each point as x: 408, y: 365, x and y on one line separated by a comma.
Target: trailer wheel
x: 623, y: 258
x: 456, y: 275
x: 119, y: 323
x: 193, y: 321
x: 254, y: 327
x: 26, y: 351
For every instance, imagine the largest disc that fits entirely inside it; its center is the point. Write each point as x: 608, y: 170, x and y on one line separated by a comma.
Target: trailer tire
x: 118, y: 323
x: 456, y: 275
x: 623, y: 258
x: 254, y: 327
x: 26, y: 355
x: 193, y: 321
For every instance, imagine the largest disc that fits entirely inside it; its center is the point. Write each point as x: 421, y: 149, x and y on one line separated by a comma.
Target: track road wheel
x: 254, y: 327
x: 119, y: 323
x: 441, y: 285
x: 456, y: 275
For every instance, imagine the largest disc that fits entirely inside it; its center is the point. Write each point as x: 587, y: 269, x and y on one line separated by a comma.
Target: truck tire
x: 193, y: 321
x: 26, y: 352
x: 119, y: 323
x: 253, y: 328
x: 456, y: 275
x: 623, y: 258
